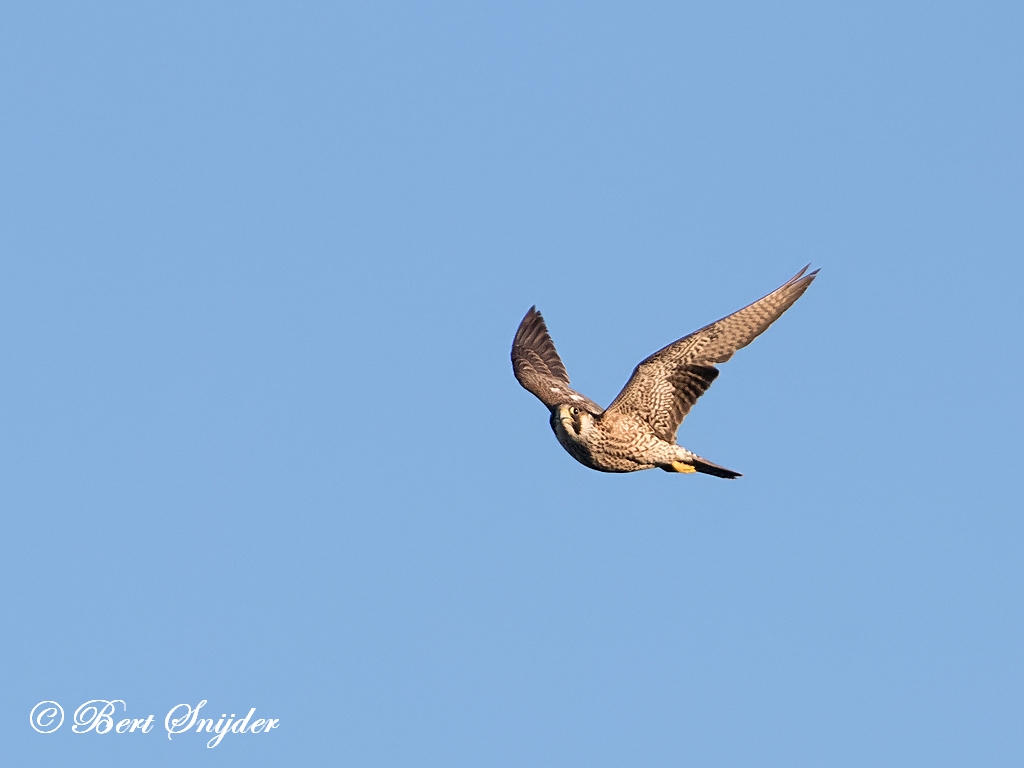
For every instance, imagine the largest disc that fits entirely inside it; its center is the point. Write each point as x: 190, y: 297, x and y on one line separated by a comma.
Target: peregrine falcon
x: 638, y: 430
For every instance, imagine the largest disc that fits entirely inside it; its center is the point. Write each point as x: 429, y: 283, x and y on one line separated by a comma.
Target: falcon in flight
x: 638, y: 430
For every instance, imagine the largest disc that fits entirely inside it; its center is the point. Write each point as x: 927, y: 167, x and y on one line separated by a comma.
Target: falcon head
x: 571, y: 422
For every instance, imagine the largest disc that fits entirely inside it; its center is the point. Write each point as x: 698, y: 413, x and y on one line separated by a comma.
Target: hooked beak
x: 566, y: 419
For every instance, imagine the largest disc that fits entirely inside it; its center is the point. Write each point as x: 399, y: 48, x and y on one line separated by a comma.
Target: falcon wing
x: 538, y: 367
x: 665, y: 386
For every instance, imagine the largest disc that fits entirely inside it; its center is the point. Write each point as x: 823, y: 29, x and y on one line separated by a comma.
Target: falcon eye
x: 574, y: 411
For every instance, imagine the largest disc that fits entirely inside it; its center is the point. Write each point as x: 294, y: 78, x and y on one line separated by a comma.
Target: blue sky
x: 260, y: 442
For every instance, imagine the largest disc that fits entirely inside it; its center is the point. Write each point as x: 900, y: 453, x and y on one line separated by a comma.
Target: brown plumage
x: 638, y: 430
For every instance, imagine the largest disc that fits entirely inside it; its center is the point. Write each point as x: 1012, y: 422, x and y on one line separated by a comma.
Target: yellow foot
x: 678, y: 466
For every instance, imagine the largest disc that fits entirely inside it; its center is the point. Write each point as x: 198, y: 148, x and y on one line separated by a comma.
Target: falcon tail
x: 705, y: 467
